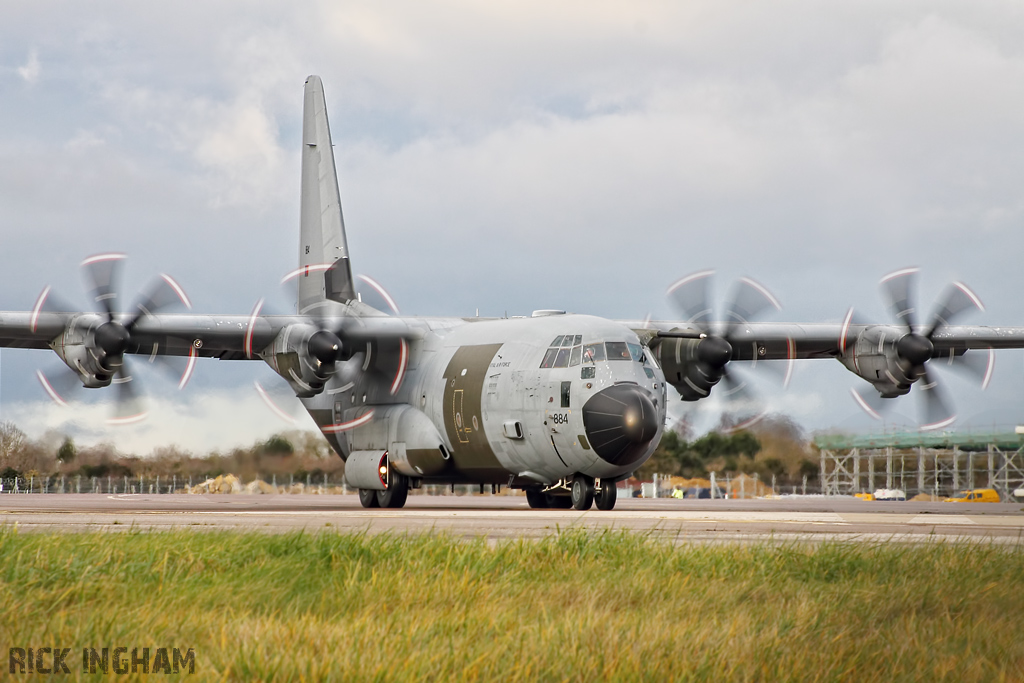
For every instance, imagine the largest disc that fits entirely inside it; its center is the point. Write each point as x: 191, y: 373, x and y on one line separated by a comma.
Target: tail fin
x: 323, y: 247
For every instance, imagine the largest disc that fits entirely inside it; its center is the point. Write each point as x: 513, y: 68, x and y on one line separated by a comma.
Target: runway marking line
x: 941, y: 519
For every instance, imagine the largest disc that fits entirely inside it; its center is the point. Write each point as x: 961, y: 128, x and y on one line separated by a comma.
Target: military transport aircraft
x: 559, y: 405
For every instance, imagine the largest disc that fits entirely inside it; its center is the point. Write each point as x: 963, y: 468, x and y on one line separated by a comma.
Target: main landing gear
x: 583, y: 492
x: 394, y: 497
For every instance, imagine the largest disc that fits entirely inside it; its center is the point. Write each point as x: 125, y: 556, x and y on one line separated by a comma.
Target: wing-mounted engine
x: 696, y: 358
x: 874, y: 355
x: 893, y: 358
x: 93, y: 348
x: 93, y: 345
x: 692, y: 365
x: 305, y: 355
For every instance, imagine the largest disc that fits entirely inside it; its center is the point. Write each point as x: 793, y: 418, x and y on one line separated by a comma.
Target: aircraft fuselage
x: 525, y: 400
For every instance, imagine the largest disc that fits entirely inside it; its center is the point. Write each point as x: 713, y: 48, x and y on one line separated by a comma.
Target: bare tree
x: 12, y: 440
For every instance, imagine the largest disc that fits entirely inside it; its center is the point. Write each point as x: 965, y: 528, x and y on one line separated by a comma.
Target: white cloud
x: 30, y: 71
x: 528, y: 155
x: 212, y: 420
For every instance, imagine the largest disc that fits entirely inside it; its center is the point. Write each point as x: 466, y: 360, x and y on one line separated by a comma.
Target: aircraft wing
x: 228, y: 337
x: 771, y: 341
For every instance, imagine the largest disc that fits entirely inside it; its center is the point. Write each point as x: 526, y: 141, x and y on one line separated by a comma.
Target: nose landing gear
x: 605, y: 496
x: 583, y: 492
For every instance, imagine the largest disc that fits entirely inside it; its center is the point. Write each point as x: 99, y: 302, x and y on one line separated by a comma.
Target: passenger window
x: 593, y: 353
x: 588, y: 372
x: 565, y: 393
x: 617, y: 350
x: 549, y: 358
x: 562, y: 359
x: 574, y: 357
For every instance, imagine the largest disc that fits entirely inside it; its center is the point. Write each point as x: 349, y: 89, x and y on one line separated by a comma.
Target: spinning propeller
x: 720, y: 340
x: 94, y: 354
x: 331, y: 341
x: 916, y: 348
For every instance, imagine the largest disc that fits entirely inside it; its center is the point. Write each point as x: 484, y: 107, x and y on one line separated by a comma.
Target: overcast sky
x: 510, y: 156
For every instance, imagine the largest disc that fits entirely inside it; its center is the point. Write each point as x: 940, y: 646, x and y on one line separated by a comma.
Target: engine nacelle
x: 684, y: 362
x: 305, y: 356
x: 415, y: 447
x: 81, y: 351
x: 874, y: 357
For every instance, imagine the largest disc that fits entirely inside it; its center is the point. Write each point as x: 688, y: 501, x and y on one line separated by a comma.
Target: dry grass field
x: 574, y: 607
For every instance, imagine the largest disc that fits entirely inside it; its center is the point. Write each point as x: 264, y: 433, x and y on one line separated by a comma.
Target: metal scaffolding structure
x: 937, y: 464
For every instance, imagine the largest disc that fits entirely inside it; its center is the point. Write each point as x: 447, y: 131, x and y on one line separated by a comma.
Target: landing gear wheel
x: 395, y: 495
x: 536, y: 499
x: 368, y: 498
x: 605, y: 498
x: 558, y: 502
x: 582, y: 492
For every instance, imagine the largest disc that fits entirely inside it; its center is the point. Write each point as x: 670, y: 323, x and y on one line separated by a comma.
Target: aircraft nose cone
x: 620, y: 421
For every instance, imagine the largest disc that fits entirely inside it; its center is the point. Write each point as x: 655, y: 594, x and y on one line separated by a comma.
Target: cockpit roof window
x: 567, y: 340
x: 558, y: 340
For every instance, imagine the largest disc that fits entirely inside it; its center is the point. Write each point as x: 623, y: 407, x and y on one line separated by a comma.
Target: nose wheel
x: 582, y: 492
x: 605, y: 498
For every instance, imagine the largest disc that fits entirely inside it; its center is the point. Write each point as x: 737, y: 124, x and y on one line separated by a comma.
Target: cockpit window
x: 593, y: 353
x: 566, y: 351
x: 617, y: 351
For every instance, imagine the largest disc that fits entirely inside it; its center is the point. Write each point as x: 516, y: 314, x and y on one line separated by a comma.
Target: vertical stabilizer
x: 325, y: 271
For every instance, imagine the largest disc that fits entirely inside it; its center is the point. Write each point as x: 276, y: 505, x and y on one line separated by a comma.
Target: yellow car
x: 975, y: 496
x: 864, y: 496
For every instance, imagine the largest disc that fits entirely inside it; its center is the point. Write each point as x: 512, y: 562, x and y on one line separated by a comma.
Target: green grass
x: 573, y: 607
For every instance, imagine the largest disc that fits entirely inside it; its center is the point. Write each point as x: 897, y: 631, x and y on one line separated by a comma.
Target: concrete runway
x: 502, y: 516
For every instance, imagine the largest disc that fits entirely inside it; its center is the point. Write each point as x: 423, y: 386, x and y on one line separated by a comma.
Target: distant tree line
x: 774, y: 447
x: 294, y: 453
